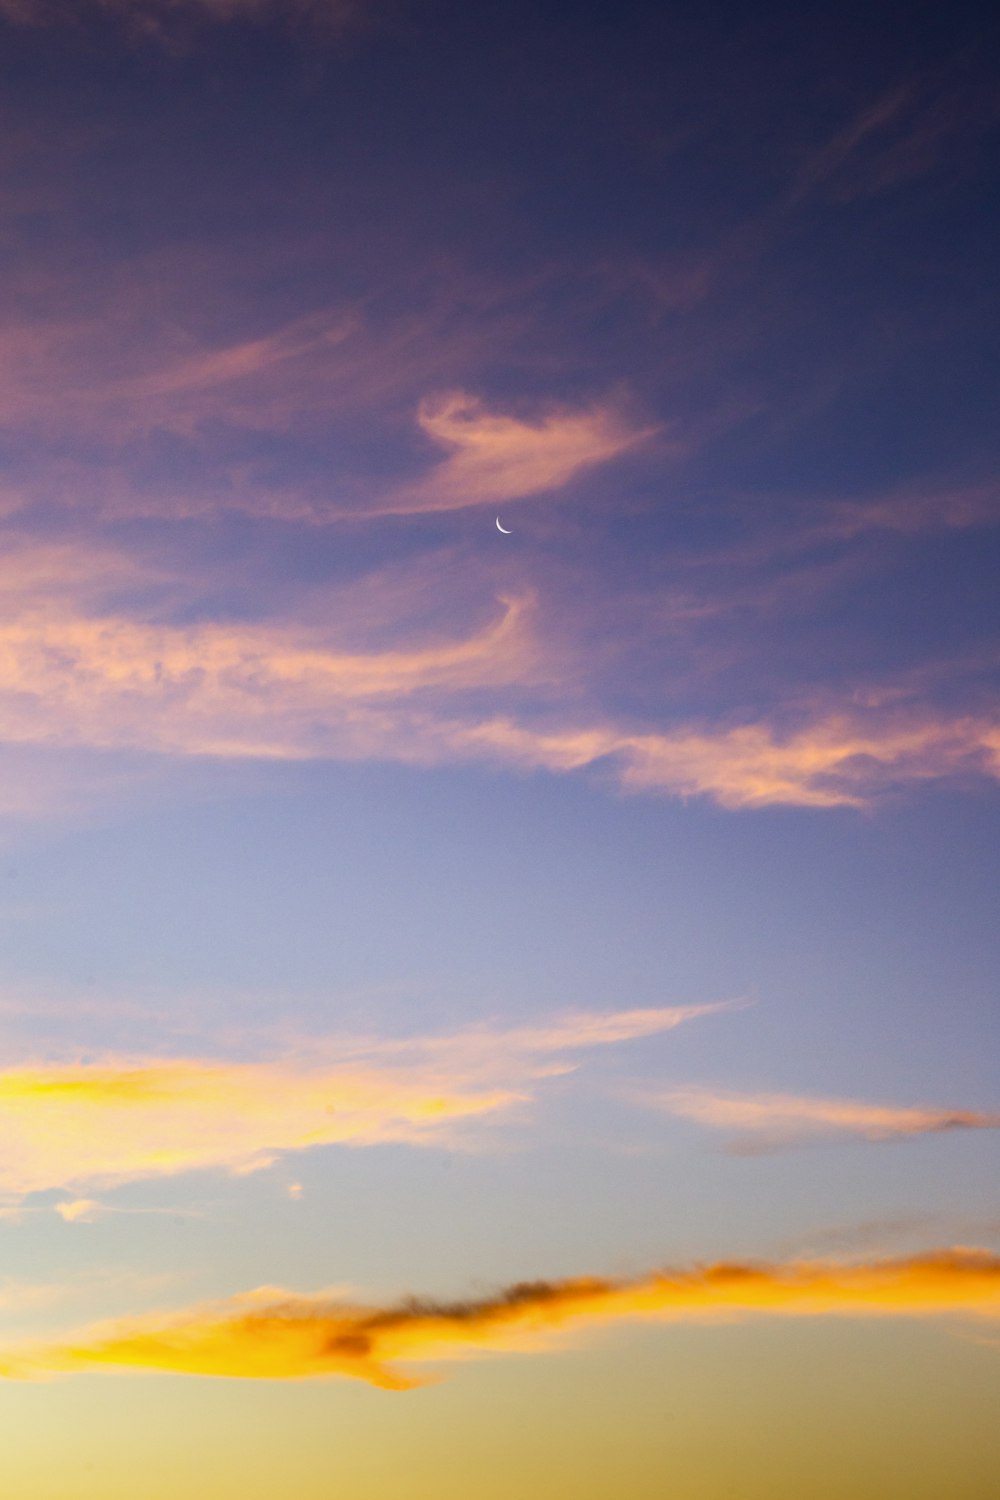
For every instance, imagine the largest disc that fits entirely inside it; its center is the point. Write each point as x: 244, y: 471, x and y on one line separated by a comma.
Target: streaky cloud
x: 156, y: 19
x: 770, y: 1121
x: 272, y: 1334
x: 81, y: 670
x: 111, y: 1120
x: 494, y: 456
x: 832, y: 760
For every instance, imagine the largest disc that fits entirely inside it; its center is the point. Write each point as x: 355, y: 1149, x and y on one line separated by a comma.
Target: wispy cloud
x: 909, y: 511
x: 276, y: 1335
x: 159, y: 18
x: 906, y: 511
x: 78, y: 1210
x: 830, y: 159
x: 494, y: 456
x: 81, y: 668
x: 92, y: 377
x: 237, y: 690
x: 766, y: 1122
x: 113, y: 1120
x: 913, y: 128
x: 837, y: 760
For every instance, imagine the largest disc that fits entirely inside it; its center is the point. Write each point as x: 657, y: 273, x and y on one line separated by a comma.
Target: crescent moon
x: 502, y: 528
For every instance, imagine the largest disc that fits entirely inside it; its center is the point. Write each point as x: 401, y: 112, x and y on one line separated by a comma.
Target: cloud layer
x: 275, y: 1335
x: 82, y: 667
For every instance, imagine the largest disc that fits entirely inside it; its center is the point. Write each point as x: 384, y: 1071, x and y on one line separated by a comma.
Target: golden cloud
x: 116, y: 1120
x: 766, y: 1121
x: 275, y: 1335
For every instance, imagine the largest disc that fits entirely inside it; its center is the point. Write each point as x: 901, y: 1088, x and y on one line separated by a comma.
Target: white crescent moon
x: 502, y: 528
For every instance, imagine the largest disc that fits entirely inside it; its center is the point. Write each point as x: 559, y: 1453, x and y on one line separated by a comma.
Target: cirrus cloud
x: 112, y: 1120
x: 426, y: 665
x: 81, y: 670
x: 494, y: 456
x: 155, y: 18
x: 767, y: 1121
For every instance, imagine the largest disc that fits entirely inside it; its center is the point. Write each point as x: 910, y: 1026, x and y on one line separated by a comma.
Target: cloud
x: 110, y: 383
x: 816, y: 521
x: 18, y: 1297
x: 837, y: 760
x: 159, y: 18
x: 199, y: 374
x: 449, y: 676
x: 770, y: 1121
x: 496, y: 457
x: 236, y: 690
x: 78, y: 1210
x: 830, y: 159
x: 114, y: 1120
x: 910, y: 511
x: 284, y: 691
x: 912, y: 129
x: 276, y: 1335
x: 92, y: 396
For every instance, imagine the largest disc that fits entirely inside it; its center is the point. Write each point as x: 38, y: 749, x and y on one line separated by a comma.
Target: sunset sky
x: 491, y: 1015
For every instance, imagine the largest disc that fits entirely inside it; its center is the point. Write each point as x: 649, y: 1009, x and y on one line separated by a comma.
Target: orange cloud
x: 285, y: 692
x: 837, y: 760
x: 496, y: 457
x: 840, y: 760
x: 56, y: 376
x: 275, y: 1335
x: 122, y: 1119
x: 768, y: 1121
x: 282, y: 691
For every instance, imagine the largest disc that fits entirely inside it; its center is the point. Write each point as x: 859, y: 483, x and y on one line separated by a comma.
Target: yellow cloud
x: 276, y: 1335
x: 771, y: 1120
x: 119, y: 1120
x: 78, y: 1210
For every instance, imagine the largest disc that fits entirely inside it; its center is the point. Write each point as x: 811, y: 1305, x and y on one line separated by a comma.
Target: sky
x: 500, y: 749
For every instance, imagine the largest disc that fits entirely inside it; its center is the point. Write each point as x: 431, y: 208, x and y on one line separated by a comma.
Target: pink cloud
x: 495, y: 457
x: 767, y: 1121
x: 156, y: 17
